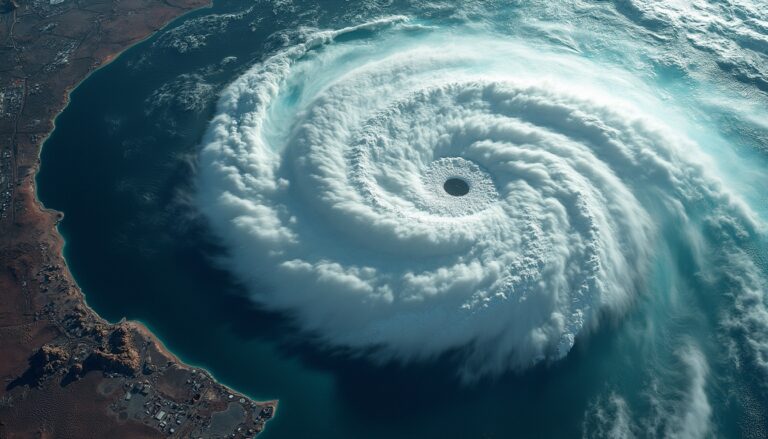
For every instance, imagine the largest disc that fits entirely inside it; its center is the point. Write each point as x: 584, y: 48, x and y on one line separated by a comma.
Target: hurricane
x: 405, y: 188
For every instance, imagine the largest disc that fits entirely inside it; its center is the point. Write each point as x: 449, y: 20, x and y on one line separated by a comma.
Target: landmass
x: 65, y: 371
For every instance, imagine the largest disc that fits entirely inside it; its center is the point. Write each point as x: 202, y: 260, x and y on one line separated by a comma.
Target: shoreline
x: 44, y: 311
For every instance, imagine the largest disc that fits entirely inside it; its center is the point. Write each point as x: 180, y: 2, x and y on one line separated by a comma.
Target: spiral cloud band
x: 412, y: 191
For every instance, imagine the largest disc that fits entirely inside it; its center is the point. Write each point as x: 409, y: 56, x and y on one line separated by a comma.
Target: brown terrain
x: 67, y: 373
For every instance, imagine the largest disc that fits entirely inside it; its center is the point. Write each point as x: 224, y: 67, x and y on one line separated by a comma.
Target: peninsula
x: 65, y: 371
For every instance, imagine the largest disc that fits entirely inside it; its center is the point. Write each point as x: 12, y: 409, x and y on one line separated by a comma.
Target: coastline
x: 74, y: 351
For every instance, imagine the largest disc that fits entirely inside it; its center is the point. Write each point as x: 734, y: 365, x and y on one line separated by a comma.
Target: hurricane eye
x: 456, y: 187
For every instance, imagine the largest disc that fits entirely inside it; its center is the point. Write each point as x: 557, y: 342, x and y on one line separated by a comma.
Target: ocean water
x: 264, y: 184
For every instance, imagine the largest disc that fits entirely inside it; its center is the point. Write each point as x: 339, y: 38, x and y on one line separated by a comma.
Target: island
x: 67, y: 372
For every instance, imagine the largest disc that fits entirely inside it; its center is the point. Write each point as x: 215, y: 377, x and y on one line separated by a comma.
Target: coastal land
x: 65, y: 371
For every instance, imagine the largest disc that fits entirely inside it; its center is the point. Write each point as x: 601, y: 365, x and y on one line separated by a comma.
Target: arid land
x: 67, y: 373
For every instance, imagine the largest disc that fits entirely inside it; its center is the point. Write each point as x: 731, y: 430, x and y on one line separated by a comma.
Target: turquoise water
x: 680, y: 354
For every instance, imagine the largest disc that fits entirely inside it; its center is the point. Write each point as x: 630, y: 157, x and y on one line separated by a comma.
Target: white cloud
x: 683, y: 415
x: 324, y: 174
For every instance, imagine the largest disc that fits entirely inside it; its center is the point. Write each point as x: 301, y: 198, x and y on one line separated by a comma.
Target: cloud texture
x: 323, y: 173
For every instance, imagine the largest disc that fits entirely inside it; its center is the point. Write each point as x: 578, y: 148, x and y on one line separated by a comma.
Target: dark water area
x: 121, y: 166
